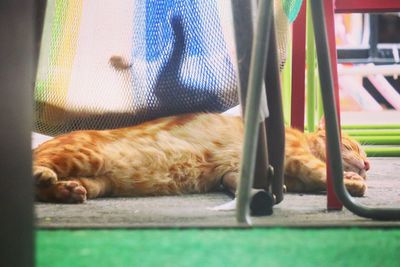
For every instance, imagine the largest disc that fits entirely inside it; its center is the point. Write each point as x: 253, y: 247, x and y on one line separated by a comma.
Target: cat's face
x: 354, y: 157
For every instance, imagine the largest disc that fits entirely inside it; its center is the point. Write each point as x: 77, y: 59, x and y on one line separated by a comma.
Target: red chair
x: 298, y: 59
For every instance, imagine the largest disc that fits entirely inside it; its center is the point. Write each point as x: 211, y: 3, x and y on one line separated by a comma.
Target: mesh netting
x: 176, y: 56
x: 291, y: 8
x: 167, y: 57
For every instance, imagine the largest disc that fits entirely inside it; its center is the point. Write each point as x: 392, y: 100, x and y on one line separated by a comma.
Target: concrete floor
x: 297, y: 210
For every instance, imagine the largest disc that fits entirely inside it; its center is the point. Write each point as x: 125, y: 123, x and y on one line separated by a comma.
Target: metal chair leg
x: 332, y: 130
x: 252, y: 106
x: 275, y: 123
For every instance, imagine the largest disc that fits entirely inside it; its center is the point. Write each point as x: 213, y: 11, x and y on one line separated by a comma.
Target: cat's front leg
x: 229, y: 182
x: 306, y: 173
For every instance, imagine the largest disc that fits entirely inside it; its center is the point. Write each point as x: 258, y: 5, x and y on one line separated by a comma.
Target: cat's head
x: 354, y: 157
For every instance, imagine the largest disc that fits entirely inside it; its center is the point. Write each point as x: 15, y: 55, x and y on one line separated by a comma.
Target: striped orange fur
x: 175, y: 155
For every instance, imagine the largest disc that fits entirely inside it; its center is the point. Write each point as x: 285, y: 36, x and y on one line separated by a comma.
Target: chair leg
x: 261, y: 180
x: 275, y: 123
x: 242, y: 13
x: 332, y: 131
x: 253, y: 103
x: 298, y: 73
x: 333, y: 203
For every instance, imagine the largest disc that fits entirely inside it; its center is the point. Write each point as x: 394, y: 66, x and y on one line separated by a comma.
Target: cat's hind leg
x: 62, y: 192
x: 229, y: 182
x: 44, y: 176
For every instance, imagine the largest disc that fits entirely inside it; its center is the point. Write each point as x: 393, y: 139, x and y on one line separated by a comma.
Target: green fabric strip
x: 252, y: 247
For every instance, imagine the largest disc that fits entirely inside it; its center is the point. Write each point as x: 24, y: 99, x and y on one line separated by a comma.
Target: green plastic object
x: 287, y: 84
x: 382, y: 126
x: 378, y: 140
x: 376, y: 151
x: 291, y: 8
x: 310, y: 58
x: 52, y: 30
x: 373, y: 132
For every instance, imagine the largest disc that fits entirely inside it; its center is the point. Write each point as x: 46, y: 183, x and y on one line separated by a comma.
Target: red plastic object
x: 298, y: 82
x: 298, y: 60
x: 347, y: 6
x: 333, y: 203
x: 298, y: 69
x: 366, y: 6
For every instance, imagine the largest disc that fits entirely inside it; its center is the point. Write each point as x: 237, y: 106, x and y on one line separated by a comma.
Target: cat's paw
x: 62, y: 192
x: 44, y: 176
x: 352, y: 176
x: 69, y: 192
x: 355, y: 184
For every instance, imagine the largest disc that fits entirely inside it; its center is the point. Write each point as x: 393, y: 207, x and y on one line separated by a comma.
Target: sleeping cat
x: 176, y: 155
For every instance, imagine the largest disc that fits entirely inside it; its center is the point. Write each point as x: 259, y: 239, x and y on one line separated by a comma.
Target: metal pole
x: 275, y: 123
x: 252, y: 114
x: 243, y: 15
x: 243, y: 12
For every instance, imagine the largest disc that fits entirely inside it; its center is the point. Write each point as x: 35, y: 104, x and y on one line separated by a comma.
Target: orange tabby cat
x: 175, y: 155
